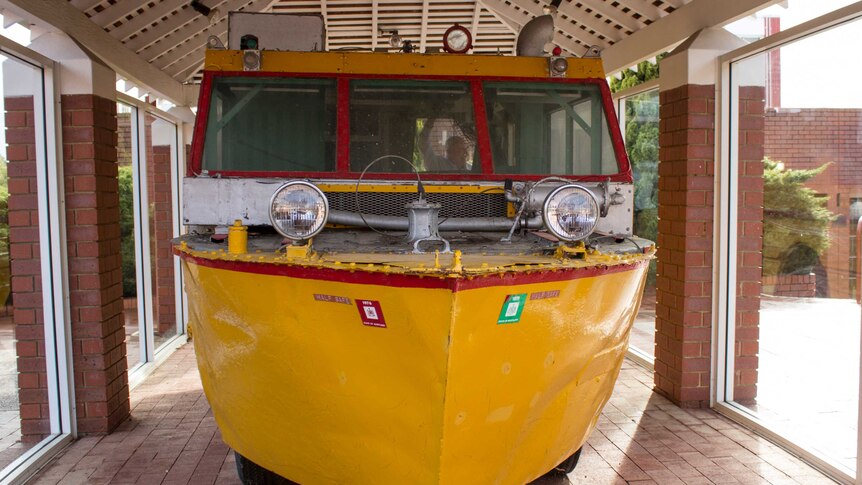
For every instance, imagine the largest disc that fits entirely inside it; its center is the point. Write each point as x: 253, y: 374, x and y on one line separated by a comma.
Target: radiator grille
x: 392, y: 203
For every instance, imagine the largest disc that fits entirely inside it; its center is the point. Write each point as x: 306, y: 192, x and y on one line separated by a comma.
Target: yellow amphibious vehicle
x: 408, y: 268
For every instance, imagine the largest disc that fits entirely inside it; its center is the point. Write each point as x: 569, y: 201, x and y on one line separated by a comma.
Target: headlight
x: 571, y: 212
x: 298, y: 210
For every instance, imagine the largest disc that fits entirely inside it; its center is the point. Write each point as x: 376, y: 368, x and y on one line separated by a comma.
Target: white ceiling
x: 171, y: 35
x: 160, y: 44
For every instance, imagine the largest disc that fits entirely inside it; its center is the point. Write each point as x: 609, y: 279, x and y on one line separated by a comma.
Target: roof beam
x: 374, y: 28
x: 144, y: 20
x: 166, y: 41
x: 84, y: 5
x: 172, y: 40
x: 325, y: 16
x: 675, y: 3
x: 191, y: 53
x: 513, y: 24
x: 193, y: 43
x: 673, y: 29
x: 474, y: 25
x: 118, y: 11
x: 615, y: 14
x: 423, y: 34
x: 187, y: 75
x: 65, y: 17
x: 590, y: 21
x: 643, y: 7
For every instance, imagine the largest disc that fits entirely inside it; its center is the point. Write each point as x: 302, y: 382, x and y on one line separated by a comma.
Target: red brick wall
x: 95, y: 281
x: 772, y: 25
x: 161, y: 211
x: 801, y: 285
x: 124, y: 138
x: 809, y: 138
x: 749, y: 240
x: 27, y: 315
x: 685, y: 242
x: 686, y: 237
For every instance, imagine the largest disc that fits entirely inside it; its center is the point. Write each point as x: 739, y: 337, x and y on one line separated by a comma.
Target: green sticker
x: 512, y: 308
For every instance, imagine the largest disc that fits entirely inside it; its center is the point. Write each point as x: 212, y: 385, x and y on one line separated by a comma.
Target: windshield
x: 429, y: 123
x: 271, y: 124
x: 548, y: 128
x: 290, y: 124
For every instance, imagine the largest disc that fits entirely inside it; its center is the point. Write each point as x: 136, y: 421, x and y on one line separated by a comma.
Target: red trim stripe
x: 342, y: 123
x: 482, y: 135
x: 412, y: 281
x: 197, y: 152
x: 616, y: 136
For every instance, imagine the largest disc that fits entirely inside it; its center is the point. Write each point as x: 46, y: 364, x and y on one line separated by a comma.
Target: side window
x: 271, y: 124
x: 544, y: 128
x: 428, y: 123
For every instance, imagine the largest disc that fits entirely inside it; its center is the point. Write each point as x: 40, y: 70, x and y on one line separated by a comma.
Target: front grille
x: 392, y: 203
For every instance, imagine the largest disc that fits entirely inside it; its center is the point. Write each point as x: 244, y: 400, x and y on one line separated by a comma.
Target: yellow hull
x: 437, y: 390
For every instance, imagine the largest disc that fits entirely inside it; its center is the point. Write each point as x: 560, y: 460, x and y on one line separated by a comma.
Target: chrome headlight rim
x: 319, y: 225
x: 594, y: 204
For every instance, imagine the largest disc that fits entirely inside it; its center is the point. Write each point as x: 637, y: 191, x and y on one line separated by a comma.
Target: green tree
x: 641, y: 138
x: 795, y: 220
x: 127, y: 230
x: 646, y: 71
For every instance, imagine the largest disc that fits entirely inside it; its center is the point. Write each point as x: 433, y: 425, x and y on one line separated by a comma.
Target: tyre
x: 568, y: 465
x: 250, y: 473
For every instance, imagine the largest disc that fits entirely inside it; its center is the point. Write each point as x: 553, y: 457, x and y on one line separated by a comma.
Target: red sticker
x: 371, y: 313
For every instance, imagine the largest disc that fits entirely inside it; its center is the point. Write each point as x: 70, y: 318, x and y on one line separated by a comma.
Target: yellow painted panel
x: 404, y: 64
x: 303, y: 388
x: 445, y: 393
x: 521, y: 397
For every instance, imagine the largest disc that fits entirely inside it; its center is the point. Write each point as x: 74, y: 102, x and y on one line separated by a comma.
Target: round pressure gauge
x: 457, y: 40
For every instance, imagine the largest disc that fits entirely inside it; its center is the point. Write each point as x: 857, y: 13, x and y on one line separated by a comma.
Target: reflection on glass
x: 161, y: 139
x: 797, y: 320
x: 24, y: 418
x: 271, y: 124
x: 542, y: 128
x: 428, y: 123
x: 125, y: 133
x: 640, y: 126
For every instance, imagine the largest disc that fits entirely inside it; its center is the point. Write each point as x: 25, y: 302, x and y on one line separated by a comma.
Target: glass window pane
x: 799, y: 148
x: 25, y: 417
x: 161, y: 154
x: 428, y: 123
x: 549, y: 128
x: 126, y: 116
x: 640, y: 128
x: 271, y: 124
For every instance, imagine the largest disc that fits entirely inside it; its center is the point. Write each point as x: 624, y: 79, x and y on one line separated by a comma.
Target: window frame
x: 342, y: 149
x: 54, y: 267
x: 726, y: 202
x: 638, y: 355
x: 150, y: 354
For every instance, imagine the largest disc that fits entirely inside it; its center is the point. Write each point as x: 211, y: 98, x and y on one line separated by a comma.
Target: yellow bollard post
x: 237, y: 238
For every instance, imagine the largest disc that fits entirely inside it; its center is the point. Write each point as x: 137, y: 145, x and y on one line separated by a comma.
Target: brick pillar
x: 749, y: 270
x: 95, y: 286
x: 685, y: 244
x: 27, y: 314
x: 161, y: 207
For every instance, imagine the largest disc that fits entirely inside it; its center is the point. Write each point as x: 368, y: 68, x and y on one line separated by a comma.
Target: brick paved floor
x: 641, y: 439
